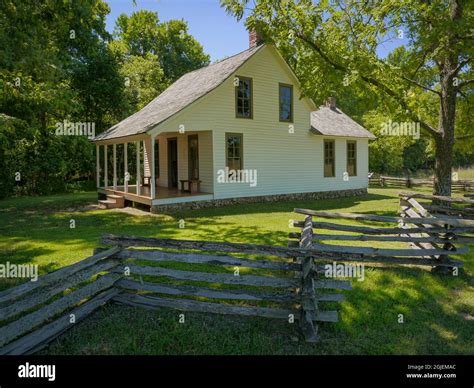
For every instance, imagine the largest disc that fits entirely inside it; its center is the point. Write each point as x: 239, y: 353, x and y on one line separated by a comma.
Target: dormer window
x: 243, y: 98
x: 286, y: 103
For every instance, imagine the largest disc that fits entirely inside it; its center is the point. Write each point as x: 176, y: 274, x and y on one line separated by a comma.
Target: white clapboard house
x: 236, y: 130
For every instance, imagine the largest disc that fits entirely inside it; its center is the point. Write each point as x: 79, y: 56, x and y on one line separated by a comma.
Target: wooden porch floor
x: 145, y: 195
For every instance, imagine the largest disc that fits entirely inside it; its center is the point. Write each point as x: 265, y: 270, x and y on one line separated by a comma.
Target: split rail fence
x: 287, y: 295
x: 270, y: 281
x: 390, y: 181
x: 454, y: 214
x: 436, y: 206
x: 34, y: 313
x: 399, y: 232
x: 430, y: 242
x: 134, y: 272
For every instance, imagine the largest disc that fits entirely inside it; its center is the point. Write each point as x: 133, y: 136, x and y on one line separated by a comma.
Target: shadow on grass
x: 432, y: 324
x: 281, y: 206
x: 407, y: 311
x: 432, y: 305
x: 24, y: 256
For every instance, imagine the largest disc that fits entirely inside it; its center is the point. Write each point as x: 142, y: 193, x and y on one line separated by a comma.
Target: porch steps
x: 113, y: 201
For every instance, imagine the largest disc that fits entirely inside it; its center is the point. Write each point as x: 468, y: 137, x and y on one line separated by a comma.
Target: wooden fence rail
x: 311, y: 241
x: 271, y: 281
x: 42, y: 304
x: 134, y: 272
x: 440, y: 206
x: 390, y: 181
x: 436, y: 234
x: 412, y: 208
x: 290, y: 299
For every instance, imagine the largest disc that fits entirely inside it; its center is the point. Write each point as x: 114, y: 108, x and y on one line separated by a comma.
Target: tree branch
x: 420, y: 85
x: 464, y: 83
x: 461, y: 65
x: 371, y: 81
x: 464, y: 137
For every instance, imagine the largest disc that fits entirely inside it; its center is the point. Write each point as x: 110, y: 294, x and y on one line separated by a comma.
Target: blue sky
x: 221, y: 35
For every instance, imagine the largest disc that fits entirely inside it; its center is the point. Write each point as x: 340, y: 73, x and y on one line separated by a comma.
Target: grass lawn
x: 438, y: 310
x: 466, y: 173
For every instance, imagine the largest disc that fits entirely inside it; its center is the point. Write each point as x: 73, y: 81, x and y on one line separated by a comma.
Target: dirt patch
x: 134, y: 212
x: 85, y: 208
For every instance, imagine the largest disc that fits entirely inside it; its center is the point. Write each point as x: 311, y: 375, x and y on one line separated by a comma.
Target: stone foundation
x: 171, y: 208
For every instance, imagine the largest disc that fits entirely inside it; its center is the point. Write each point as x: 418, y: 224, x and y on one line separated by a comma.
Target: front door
x: 173, y: 162
x: 193, y: 157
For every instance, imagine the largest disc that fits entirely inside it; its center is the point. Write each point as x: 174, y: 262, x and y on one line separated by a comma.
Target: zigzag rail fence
x: 272, y: 281
x: 391, y: 181
x: 435, y: 235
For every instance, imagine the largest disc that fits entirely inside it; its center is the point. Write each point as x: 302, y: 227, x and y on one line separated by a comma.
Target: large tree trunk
x: 443, y: 166
x: 444, y: 141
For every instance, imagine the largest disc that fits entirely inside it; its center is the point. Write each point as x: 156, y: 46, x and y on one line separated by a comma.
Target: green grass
x: 438, y: 310
x: 466, y: 173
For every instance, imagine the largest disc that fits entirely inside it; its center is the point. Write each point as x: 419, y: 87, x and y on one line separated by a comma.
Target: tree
x: 54, y: 66
x: 152, y: 55
x: 336, y: 42
x: 144, y: 79
x: 99, y: 87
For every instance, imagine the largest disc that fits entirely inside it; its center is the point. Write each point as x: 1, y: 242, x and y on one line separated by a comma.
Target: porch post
x: 152, y: 168
x: 125, y: 165
x: 115, y: 165
x: 106, y: 184
x: 97, y: 164
x: 139, y: 178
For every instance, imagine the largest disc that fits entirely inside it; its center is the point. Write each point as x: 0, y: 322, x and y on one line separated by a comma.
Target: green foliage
x: 99, y: 87
x: 437, y: 308
x: 145, y: 78
x: 332, y: 46
x: 58, y: 64
x: 55, y: 67
x: 385, y: 153
x: 153, y: 55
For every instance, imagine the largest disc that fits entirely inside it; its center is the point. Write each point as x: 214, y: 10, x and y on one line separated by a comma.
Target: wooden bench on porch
x: 193, y: 185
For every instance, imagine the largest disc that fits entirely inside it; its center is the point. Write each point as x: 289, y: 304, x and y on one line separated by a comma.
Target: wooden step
x: 118, y: 199
x: 114, y: 196
x: 109, y: 204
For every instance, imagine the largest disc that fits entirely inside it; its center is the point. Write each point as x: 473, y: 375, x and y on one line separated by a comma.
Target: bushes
x: 36, y: 162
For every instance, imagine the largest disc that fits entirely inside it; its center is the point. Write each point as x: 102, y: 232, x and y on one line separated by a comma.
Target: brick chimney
x: 255, y: 38
x: 331, y: 103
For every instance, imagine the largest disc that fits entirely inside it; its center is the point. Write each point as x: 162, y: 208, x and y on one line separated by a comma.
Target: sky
x: 220, y: 34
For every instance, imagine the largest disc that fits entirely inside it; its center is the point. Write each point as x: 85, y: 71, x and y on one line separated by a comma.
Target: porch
x: 154, y: 171
x: 163, y: 196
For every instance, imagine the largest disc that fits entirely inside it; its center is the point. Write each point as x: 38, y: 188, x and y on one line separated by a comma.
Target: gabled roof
x: 182, y: 93
x: 334, y: 122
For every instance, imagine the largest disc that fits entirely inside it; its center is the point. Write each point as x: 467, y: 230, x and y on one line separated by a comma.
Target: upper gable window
x: 286, y: 102
x: 244, y: 98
